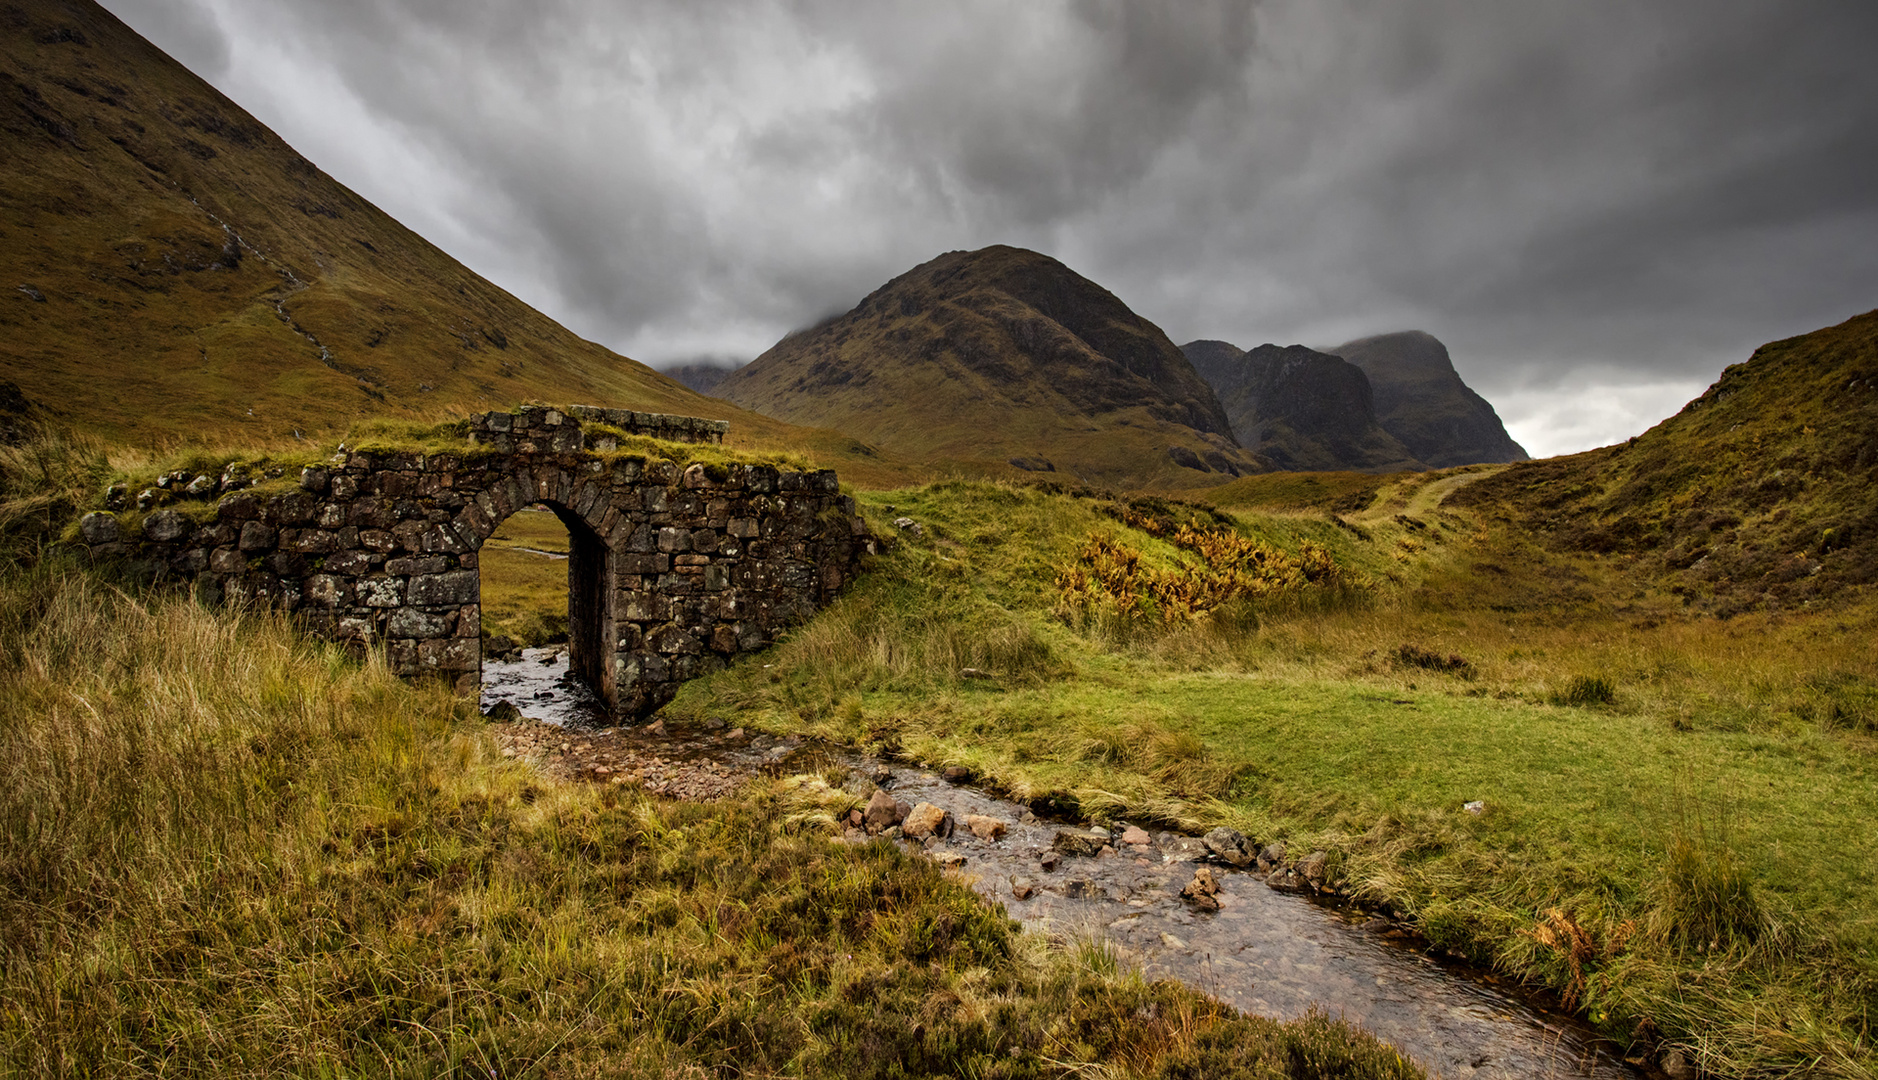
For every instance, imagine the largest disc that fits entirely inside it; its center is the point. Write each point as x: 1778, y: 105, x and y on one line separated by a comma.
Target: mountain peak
x: 1421, y: 400
x: 1002, y: 354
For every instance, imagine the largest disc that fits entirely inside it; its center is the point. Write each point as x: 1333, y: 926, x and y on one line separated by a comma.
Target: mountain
x: 1762, y: 492
x: 702, y: 376
x: 1305, y: 410
x: 173, y: 271
x: 1002, y: 355
x: 1421, y: 400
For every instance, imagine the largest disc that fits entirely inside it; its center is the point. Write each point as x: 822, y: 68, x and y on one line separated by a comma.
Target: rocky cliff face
x: 1421, y: 400
x: 1002, y: 355
x: 1305, y: 410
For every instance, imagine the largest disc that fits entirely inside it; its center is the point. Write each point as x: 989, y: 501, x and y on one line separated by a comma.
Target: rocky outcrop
x: 1421, y: 400
x: 1302, y: 409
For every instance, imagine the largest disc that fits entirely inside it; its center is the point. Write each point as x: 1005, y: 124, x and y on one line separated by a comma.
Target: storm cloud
x: 1597, y: 204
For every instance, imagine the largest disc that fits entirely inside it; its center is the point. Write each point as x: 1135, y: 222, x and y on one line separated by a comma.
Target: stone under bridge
x: 671, y: 571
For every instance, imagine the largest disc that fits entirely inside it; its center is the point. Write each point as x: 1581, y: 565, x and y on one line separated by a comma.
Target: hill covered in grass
x: 1305, y: 410
x: 1003, y: 356
x: 1421, y: 400
x: 174, y: 271
x: 1762, y: 492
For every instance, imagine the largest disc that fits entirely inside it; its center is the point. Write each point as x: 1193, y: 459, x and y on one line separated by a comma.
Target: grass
x: 524, y: 592
x: 233, y: 851
x: 1608, y: 733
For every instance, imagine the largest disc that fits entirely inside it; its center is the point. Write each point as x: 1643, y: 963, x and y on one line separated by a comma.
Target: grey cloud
x: 1589, y: 192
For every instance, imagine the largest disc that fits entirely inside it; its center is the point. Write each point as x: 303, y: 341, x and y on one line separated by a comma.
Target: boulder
x: 1202, y: 893
x: 1231, y: 846
x: 927, y: 820
x: 1273, y: 856
x: 98, y: 527
x: 1314, y: 868
x: 881, y: 812
x: 985, y: 828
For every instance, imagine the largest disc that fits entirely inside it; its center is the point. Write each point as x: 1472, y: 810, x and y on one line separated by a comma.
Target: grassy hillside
x: 1001, y: 360
x: 176, y: 273
x: 1761, y: 493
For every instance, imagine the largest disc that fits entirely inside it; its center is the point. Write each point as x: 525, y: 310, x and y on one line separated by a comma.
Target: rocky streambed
x: 1240, y: 923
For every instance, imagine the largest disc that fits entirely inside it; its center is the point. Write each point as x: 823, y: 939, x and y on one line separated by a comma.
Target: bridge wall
x: 672, y: 571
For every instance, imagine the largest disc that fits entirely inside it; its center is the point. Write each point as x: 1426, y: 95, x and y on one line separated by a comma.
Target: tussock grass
x: 230, y: 851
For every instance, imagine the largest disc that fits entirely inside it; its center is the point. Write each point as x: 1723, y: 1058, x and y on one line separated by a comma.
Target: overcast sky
x: 1597, y: 204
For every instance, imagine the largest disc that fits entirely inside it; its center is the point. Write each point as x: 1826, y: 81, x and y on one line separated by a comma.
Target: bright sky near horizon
x: 1596, y: 204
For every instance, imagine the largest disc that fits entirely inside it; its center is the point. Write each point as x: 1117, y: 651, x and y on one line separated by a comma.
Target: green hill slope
x: 173, y: 271
x: 1763, y: 492
x: 1003, y: 355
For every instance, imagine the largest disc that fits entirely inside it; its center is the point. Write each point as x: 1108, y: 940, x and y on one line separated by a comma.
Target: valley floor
x: 1673, y: 826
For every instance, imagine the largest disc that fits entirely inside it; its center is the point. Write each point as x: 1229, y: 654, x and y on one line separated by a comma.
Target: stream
x: 1265, y: 951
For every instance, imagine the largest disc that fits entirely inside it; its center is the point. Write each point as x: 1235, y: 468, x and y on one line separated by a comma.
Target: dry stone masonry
x: 671, y: 571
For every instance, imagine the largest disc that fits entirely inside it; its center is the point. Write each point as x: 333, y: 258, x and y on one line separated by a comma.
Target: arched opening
x: 543, y: 583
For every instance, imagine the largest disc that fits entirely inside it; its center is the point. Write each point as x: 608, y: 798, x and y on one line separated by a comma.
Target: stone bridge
x: 672, y: 570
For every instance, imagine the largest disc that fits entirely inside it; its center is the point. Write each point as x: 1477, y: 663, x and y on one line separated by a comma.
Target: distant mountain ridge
x: 1421, y: 400
x: 1000, y: 356
x: 1305, y: 410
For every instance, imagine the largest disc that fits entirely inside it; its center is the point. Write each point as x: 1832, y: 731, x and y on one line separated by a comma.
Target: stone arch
x: 590, y: 588
x: 680, y: 569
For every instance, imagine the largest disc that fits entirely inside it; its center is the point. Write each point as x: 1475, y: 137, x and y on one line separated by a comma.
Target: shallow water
x: 1267, y: 952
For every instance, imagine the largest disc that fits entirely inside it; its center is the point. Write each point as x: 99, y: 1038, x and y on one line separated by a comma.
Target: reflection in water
x: 1266, y: 952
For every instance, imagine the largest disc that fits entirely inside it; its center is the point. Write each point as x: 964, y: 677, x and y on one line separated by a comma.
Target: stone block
x: 410, y: 622
x: 447, y: 589
x: 325, y: 591
x: 227, y: 560
x: 164, y: 526
x: 381, y: 592
x: 674, y: 539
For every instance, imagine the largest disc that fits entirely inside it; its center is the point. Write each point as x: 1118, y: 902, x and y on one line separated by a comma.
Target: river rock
x: 1231, y: 846
x: 1050, y: 861
x: 1082, y: 844
x: 881, y: 812
x: 956, y: 774
x: 656, y: 727
x: 950, y: 860
x: 927, y: 820
x: 1313, y: 868
x: 985, y: 828
x: 1023, y: 888
x: 1676, y: 1066
x: 1273, y: 856
x: 1134, y: 834
x: 1082, y: 889
x: 1202, y: 893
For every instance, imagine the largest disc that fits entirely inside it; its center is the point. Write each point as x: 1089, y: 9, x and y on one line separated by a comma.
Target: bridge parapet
x: 674, y: 567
